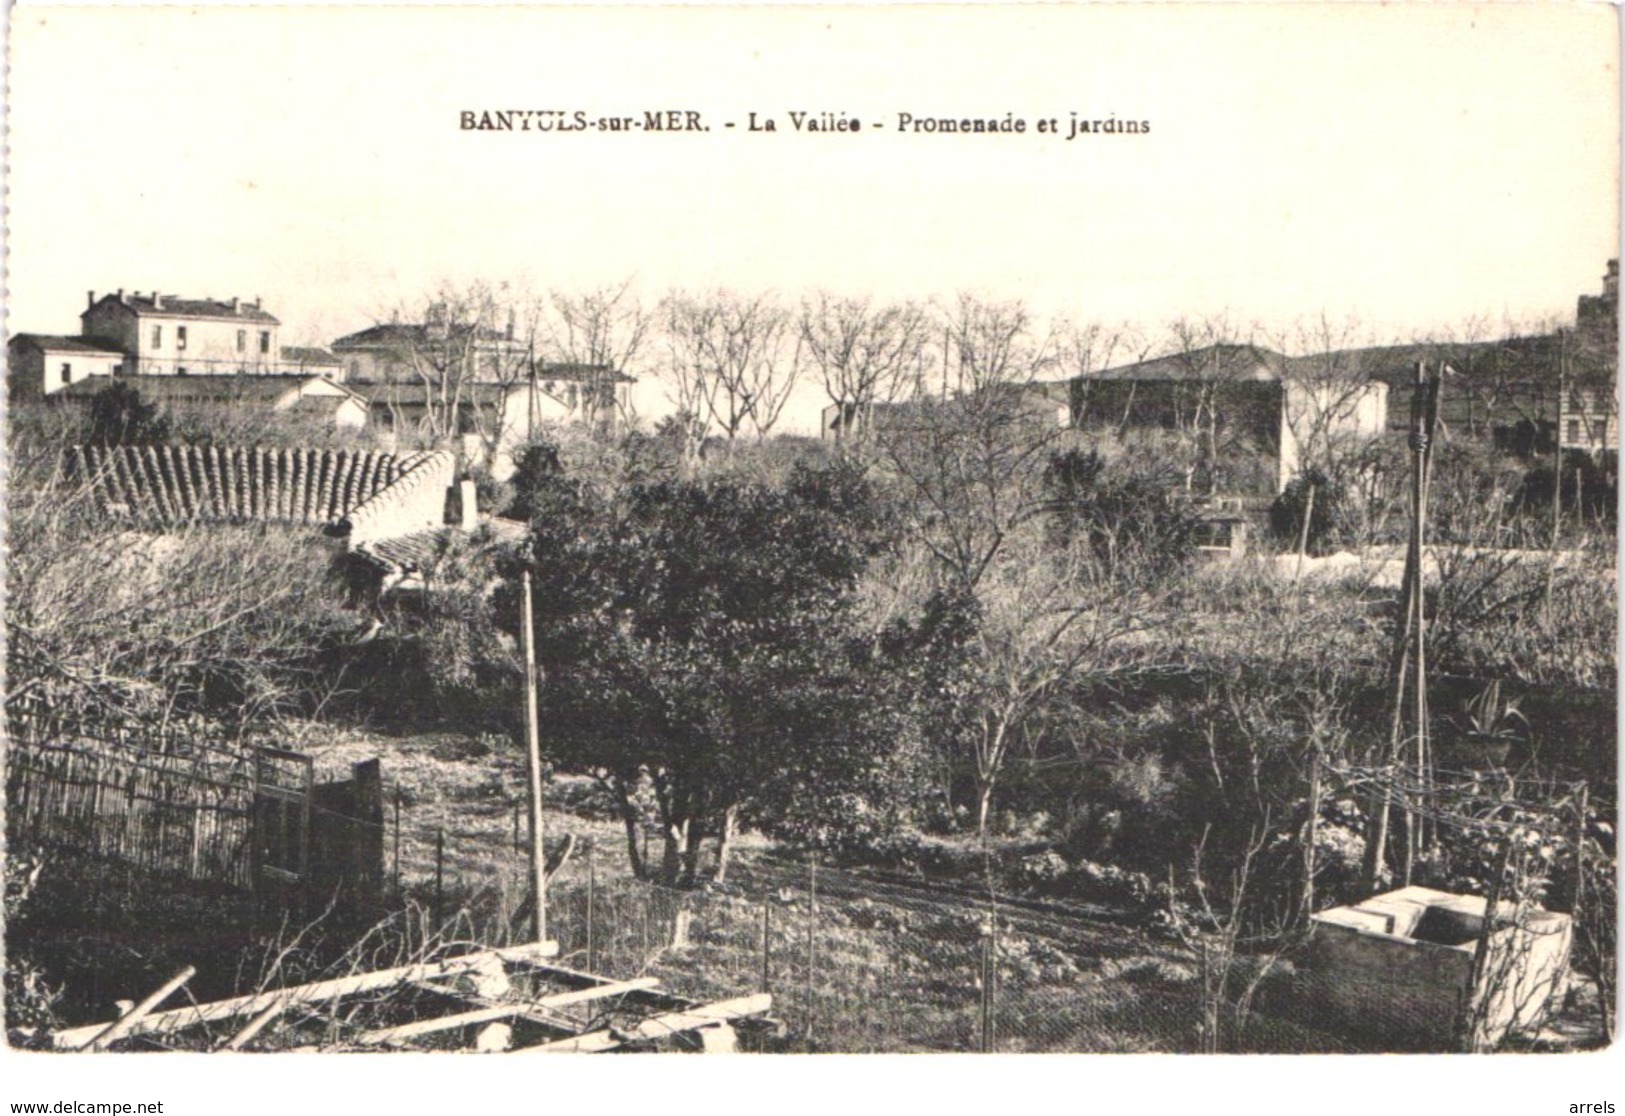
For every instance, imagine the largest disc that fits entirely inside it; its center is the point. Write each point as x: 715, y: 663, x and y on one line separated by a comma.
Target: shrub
x: 1330, y: 527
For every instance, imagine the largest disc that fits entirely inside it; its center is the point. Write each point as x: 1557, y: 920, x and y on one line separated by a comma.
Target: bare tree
x: 1211, y: 358
x: 466, y: 347
x: 865, y: 353
x: 604, y: 328
x: 1332, y: 404
x: 972, y: 464
x: 1047, y: 616
x: 733, y: 356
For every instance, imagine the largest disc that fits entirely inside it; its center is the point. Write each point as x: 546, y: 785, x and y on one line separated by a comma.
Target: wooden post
x: 129, y: 1019
x: 533, y: 746
x: 812, y: 930
x: 767, y: 945
x: 592, y: 881
x: 397, y: 853
x: 987, y: 989
x: 1580, y: 808
x: 1303, y: 533
x: 439, y: 873
x: 1311, y: 835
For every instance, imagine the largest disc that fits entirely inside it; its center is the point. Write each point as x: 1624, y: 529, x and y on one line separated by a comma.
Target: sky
x: 1408, y: 167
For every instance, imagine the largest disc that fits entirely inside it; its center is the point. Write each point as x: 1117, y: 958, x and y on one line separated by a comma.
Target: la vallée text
x: 1069, y: 125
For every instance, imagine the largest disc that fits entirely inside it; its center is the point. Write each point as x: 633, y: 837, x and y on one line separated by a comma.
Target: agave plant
x: 1487, y: 726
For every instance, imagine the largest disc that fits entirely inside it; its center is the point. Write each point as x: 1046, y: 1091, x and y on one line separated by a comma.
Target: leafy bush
x: 1330, y: 526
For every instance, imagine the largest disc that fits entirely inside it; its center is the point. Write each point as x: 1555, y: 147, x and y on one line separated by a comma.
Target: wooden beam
x: 124, y: 1024
x: 166, y: 1022
x: 661, y: 1026
x: 505, y: 1011
x: 255, y: 1026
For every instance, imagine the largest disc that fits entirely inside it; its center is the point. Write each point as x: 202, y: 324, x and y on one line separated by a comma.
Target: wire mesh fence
x: 858, y: 964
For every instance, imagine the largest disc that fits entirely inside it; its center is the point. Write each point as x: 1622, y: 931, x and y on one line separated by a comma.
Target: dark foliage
x: 1330, y: 526
x: 119, y: 416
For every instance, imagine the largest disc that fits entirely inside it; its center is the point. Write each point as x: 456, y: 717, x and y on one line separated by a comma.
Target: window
x: 67, y: 372
x: 180, y: 371
x: 242, y: 340
x: 157, y: 337
x: 1574, y: 430
x: 180, y: 338
x: 265, y: 341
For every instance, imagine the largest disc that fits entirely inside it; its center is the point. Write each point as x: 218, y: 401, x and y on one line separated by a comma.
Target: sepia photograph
x: 1080, y: 529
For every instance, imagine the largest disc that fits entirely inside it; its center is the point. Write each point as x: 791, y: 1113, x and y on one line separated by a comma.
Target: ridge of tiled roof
x: 1235, y: 361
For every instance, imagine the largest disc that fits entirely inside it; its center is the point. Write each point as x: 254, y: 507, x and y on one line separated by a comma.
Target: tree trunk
x: 693, y: 840
x: 671, y: 855
x: 984, y: 804
x: 631, y: 820
x: 730, y: 823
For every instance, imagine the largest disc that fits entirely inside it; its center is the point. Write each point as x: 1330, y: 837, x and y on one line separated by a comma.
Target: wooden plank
x: 505, y: 1011
x: 661, y: 1026
x: 169, y: 1021
x: 131, y: 1019
x: 255, y: 1026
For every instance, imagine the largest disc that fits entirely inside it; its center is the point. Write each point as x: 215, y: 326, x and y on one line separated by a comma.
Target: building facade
x: 40, y: 364
x: 163, y: 335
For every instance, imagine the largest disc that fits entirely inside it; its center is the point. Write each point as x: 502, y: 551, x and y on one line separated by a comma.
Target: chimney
x: 90, y: 299
x: 510, y: 325
x: 157, y: 299
x: 122, y: 301
x: 256, y: 302
x: 235, y: 304
x: 1610, y: 282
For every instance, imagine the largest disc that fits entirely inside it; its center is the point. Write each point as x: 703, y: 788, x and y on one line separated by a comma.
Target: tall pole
x: 533, y: 747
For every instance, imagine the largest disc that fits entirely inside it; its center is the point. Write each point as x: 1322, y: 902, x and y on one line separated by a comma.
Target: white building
x: 40, y: 364
x: 163, y: 335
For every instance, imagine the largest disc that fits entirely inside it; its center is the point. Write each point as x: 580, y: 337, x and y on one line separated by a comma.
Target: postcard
x: 935, y: 530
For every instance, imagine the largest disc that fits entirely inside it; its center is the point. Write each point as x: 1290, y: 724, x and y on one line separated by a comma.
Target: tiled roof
x: 172, y: 307
x: 175, y: 484
x: 391, y: 334
x: 199, y: 389
x: 307, y: 355
x: 1212, y: 362
x: 414, y: 395
x: 1491, y: 382
x: 319, y: 405
x: 55, y: 343
x: 405, y: 555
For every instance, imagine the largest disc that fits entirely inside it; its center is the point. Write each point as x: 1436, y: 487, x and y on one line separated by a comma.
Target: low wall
x: 1373, y: 984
